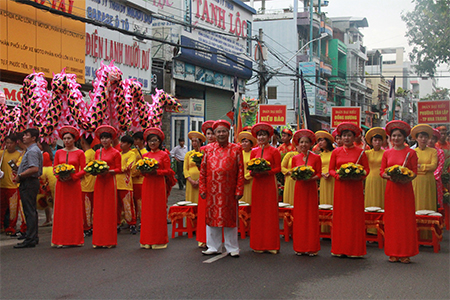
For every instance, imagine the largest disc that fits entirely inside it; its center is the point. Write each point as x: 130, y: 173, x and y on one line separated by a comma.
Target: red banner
x: 275, y: 115
x: 433, y: 112
x: 341, y: 114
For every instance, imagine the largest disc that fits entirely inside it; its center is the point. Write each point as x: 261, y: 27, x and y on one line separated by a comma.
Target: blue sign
x: 214, y: 61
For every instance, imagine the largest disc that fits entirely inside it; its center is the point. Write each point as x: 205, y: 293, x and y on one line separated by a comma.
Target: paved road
x: 179, y: 272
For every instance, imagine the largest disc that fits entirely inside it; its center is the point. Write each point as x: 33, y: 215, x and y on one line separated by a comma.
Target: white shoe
x: 210, y: 252
x: 234, y: 254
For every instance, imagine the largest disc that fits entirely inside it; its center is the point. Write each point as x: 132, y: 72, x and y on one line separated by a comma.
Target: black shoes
x: 25, y: 245
x: 133, y: 229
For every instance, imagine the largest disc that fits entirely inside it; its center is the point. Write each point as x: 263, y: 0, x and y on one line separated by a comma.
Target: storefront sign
x: 234, y: 20
x: 13, y: 93
x: 275, y: 115
x: 131, y: 55
x: 434, y: 112
x: 33, y: 39
x: 229, y: 64
x: 192, y: 107
x: 188, y: 72
x: 341, y: 114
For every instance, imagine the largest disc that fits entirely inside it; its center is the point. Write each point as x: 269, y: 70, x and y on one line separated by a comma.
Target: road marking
x: 215, y: 258
x: 8, y: 242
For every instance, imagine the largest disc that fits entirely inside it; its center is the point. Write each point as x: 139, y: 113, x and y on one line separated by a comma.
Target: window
x: 249, y: 36
x: 271, y: 92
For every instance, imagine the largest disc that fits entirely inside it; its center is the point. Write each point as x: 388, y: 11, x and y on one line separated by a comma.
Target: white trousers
x: 214, y: 238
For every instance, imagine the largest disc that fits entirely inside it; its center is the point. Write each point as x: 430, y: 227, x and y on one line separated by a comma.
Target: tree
x: 428, y: 29
x: 439, y: 94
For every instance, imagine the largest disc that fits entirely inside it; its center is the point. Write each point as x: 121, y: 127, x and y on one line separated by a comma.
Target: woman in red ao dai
x: 306, y: 233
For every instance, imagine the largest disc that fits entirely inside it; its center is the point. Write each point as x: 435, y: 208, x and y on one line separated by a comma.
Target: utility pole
x: 262, y: 70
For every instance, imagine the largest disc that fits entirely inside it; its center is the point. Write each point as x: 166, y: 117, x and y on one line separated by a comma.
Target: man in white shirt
x: 179, y: 152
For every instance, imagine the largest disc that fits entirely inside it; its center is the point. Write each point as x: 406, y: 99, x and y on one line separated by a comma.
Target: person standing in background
x: 440, y: 166
x: 442, y: 142
x: 28, y: 176
x: 124, y: 180
x: 9, y: 194
x: 87, y: 186
x: 286, y: 136
x: 179, y: 152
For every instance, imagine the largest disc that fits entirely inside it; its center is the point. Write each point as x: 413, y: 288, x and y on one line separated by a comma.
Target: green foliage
x: 439, y: 94
x: 400, y: 92
x: 428, y: 29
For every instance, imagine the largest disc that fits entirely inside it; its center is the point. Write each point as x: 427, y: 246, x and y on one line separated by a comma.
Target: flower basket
x: 147, y: 165
x: 351, y: 171
x: 64, y: 171
x: 399, y: 173
x: 302, y: 173
x: 258, y: 164
x: 96, y: 167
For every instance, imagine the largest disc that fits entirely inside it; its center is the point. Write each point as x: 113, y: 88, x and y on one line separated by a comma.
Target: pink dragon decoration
x: 114, y: 101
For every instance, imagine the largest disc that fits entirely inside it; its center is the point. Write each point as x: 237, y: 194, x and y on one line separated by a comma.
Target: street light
x: 323, y: 35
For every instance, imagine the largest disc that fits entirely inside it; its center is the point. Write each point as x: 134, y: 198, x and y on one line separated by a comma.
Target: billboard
x: 131, y: 55
x: 233, y: 21
x: 275, y: 115
x: 434, y: 112
x: 34, y: 39
x: 341, y: 114
x: 13, y: 93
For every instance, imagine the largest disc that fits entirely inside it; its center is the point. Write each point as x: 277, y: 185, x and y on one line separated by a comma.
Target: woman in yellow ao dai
x: 247, y: 142
x: 325, y: 142
x: 289, y: 183
x: 190, y: 169
x: 424, y: 184
x: 375, y: 184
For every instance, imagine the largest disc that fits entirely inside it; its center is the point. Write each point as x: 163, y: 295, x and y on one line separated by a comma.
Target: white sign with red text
x: 131, y: 55
x: 13, y: 93
x: 225, y: 16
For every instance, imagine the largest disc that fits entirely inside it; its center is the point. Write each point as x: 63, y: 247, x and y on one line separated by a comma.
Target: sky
x: 386, y: 28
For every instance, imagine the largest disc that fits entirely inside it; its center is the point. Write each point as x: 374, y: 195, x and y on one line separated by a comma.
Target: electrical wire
x: 126, y: 32
x: 161, y: 16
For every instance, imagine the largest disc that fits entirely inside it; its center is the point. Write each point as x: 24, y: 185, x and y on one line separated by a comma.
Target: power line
x: 126, y: 32
x: 171, y: 19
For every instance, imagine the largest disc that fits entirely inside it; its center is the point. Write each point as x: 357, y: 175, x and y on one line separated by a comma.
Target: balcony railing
x: 342, y: 74
x: 362, y: 48
x: 325, y: 59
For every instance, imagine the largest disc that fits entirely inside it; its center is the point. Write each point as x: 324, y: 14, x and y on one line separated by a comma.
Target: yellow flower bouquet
x: 147, y: 165
x: 446, y: 198
x: 258, y: 164
x: 197, y: 157
x: 399, y: 173
x: 96, y: 167
x: 64, y: 170
x: 302, y: 173
x: 351, y: 171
